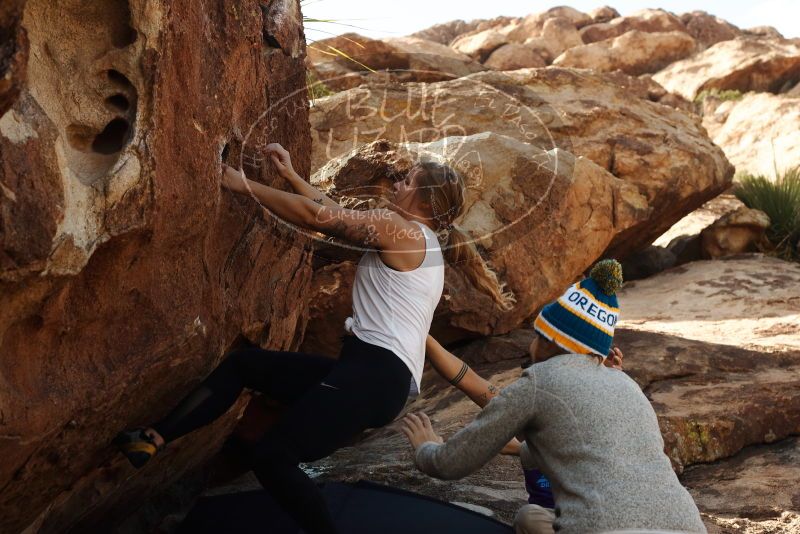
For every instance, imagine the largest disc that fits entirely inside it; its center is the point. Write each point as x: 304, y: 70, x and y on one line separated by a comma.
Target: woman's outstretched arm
x: 283, y: 162
x: 458, y: 373
x: 381, y: 230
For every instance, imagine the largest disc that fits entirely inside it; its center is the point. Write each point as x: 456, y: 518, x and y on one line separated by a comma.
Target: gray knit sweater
x: 592, y: 431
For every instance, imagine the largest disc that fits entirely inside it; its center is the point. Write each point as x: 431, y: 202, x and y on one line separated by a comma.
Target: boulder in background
x: 634, y: 52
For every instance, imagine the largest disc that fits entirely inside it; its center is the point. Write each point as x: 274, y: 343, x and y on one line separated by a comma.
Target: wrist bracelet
x: 464, y: 368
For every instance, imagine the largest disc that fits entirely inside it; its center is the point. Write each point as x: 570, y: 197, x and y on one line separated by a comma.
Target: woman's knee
x: 534, y: 519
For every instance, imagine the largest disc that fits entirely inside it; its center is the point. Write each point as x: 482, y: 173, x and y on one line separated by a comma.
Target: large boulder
x: 763, y: 31
x: 125, y: 271
x: 634, y: 52
x: 557, y: 34
x: 513, y: 56
x: 523, y: 204
x: 757, y: 132
x: 645, y: 20
x: 533, y: 25
x: 665, y: 153
x: 446, y: 32
x: 603, y: 14
x: 696, y: 221
x: 742, y: 64
x: 349, y: 60
x: 740, y: 231
x: 479, y: 45
x: 707, y: 29
x: 577, y: 18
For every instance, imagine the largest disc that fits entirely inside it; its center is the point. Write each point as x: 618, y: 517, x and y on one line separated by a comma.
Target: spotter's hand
x: 418, y: 430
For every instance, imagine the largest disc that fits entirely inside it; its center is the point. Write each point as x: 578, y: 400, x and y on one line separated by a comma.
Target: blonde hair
x: 447, y: 196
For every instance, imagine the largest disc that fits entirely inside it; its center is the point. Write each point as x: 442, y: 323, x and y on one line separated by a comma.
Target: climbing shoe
x: 137, y: 446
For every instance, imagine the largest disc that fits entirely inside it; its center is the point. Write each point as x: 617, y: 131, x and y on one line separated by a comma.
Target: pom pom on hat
x: 608, y: 275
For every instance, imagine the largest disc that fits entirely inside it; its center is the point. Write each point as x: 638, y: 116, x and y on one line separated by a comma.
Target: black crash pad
x: 361, y: 508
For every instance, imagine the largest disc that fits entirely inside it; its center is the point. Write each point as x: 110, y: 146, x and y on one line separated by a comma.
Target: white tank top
x: 394, y: 309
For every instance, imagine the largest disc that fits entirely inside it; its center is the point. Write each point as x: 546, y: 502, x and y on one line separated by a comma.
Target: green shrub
x: 725, y: 94
x: 780, y: 199
x: 316, y: 89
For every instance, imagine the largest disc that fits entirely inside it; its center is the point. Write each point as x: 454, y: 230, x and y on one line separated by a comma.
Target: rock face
x: 734, y: 233
x: 400, y: 59
x: 634, y: 52
x: 523, y: 204
x: 744, y: 64
x: 13, y: 52
x: 712, y: 397
x: 757, y: 132
x: 760, y: 483
x: 664, y: 152
x: 446, y: 32
x: 644, y: 87
x: 125, y: 271
x: 645, y: 20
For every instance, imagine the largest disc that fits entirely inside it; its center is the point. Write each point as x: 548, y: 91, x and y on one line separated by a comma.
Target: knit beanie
x: 582, y: 320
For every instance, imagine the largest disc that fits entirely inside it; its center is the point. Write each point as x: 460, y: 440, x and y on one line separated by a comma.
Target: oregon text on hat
x: 581, y: 302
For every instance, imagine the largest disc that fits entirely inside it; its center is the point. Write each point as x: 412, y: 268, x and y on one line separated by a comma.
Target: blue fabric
x: 538, y: 487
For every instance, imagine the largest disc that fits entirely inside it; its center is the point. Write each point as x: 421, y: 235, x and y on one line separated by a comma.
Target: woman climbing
x: 397, y: 286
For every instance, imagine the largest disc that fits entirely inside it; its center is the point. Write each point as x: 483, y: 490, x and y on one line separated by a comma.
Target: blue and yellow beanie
x: 582, y: 320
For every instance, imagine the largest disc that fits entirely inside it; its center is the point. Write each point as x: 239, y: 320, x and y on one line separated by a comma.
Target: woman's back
x: 394, y: 309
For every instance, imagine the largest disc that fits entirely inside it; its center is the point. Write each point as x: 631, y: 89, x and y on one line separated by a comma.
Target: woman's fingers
x: 426, y: 420
x: 278, y: 163
x: 277, y: 149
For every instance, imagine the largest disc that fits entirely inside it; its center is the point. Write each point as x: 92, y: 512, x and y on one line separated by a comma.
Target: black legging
x: 329, y: 402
